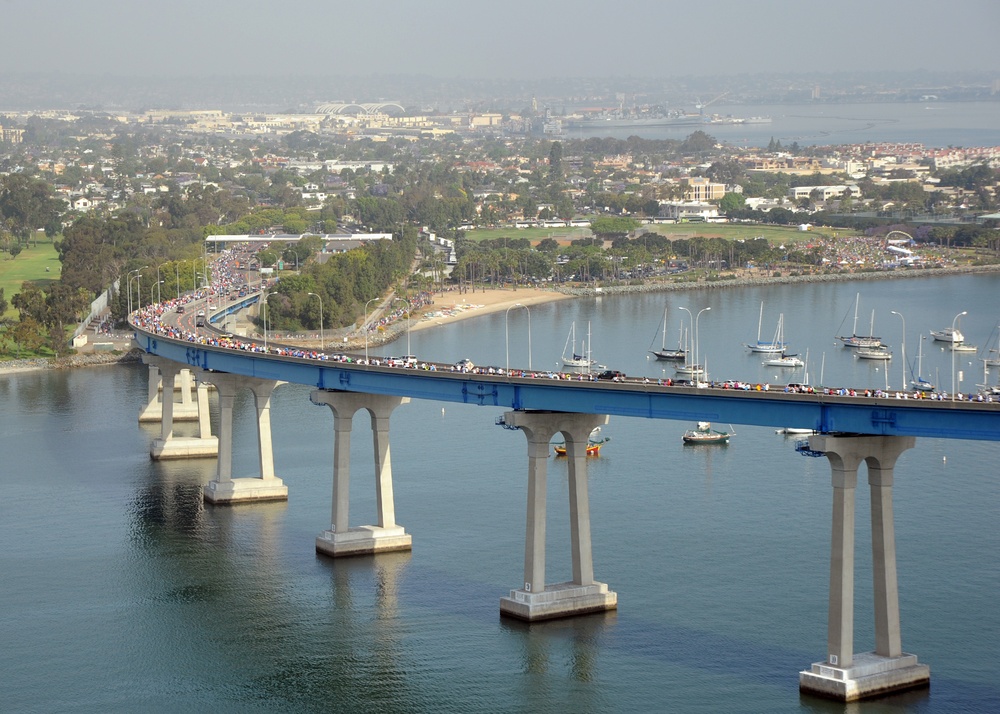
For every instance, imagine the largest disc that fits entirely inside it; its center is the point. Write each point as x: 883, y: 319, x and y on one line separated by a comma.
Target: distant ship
x: 618, y: 121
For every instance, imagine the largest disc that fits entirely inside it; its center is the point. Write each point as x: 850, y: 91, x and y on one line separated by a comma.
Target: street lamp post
x: 694, y: 327
x: 903, y: 350
x: 506, y: 333
x: 158, y: 284
x: 264, y: 317
x: 365, y: 325
x: 953, y: 327
x: 697, y: 342
x: 320, y: 320
x: 177, y: 271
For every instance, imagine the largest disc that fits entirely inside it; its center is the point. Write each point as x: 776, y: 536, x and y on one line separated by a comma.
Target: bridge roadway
x: 826, y: 414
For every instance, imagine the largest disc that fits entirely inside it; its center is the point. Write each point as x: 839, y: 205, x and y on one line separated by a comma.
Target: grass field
x: 734, y: 231
x: 29, y: 265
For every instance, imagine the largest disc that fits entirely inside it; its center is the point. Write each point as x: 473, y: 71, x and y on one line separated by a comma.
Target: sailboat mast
x: 857, y: 300
x: 760, y: 320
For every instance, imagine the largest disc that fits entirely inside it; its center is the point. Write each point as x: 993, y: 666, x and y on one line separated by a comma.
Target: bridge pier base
x: 341, y: 540
x: 161, y: 391
x: 225, y: 489
x: 846, y: 676
x: 168, y: 445
x: 536, y: 600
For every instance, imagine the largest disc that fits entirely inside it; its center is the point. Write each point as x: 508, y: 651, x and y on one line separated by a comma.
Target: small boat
x: 593, y: 444
x: 876, y: 353
x: 775, y: 346
x: 962, y: 347
x: 948, y: 334
x: 856, y: 340
x: 991, y: 355
x: 663, y: 353
x: 577, y: 360
x: 782, y: 360
x: 703, y: 433
x: 792, y: 431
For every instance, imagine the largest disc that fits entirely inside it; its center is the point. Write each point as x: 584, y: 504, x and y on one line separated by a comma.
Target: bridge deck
x: 825, y: 413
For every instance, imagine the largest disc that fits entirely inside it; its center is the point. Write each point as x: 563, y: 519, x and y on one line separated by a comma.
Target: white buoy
x: 442, y: 411
x: 944, y: 459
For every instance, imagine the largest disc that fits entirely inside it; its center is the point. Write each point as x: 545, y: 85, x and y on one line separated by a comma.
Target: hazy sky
x: 501, y: 39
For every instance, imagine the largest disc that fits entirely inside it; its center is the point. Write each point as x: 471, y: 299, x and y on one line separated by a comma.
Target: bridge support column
x: 160, y: 394
x: 342, y: 540
x: 536, y: 600
x: 224, y: 488
x: 844, y: 675
x: 169, y: 445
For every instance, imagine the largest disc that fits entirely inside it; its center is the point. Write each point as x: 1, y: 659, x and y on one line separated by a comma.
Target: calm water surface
x: 122, y: 591
x: 934, y: 124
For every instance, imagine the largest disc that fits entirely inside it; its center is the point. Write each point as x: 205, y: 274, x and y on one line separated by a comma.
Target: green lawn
x: 29, y: 265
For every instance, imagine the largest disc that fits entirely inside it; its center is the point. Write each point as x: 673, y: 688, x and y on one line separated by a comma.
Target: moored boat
x: 858, y: 341
x: 875, y: 353
x: 703, y: 433
x: 948, y: 334
x: 593, y: 444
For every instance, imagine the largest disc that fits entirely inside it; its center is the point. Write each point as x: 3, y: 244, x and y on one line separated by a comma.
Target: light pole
x: 129, y: 285
x: 365, y: 325
x: 177, y: 271
x: 320, y: 320
x: 506, y: 333
x: 157, y: 292
x: 264, y: 316
x: 900, y: 316
x: 953, y: 324
x: 697, y: 342
x: 694, y: 327
x: 158, y: 284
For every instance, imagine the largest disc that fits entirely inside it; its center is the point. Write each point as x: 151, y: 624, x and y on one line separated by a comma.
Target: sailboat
x: 575, y: 359
x: 917, y: 381
x: 689, y: 369
x: 782, y: 359
x: 991, y: 355
x: 663, y: 353
x: 775, y: 346
x: 855, y: 340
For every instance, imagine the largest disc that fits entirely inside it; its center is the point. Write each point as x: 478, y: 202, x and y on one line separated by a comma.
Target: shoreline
x: 475, y: 304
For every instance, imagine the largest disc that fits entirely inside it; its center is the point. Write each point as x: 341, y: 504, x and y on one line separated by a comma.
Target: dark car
x: 612, y: 374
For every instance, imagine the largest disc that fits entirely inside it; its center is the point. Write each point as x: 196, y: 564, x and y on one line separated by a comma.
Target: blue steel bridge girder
x: 826, y: 414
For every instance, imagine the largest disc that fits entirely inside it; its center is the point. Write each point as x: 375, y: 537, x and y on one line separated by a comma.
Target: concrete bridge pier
x: 846, y: 676
x: 224, y: 488
x: 168, y: 445
x: 536, y: 600
x: 342, y: 540
x: 182, y: 382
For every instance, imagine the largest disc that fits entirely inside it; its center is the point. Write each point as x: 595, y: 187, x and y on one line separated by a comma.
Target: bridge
x: 850, y: 429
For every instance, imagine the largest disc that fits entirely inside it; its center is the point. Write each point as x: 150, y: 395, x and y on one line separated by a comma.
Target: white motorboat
x: 948, y: 334
x: 874, y: 353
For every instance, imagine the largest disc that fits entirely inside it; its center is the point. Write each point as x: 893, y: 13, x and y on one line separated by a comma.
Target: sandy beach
x: 451, y: 307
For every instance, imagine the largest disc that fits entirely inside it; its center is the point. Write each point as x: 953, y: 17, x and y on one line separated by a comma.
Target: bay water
x: 122, y: 591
